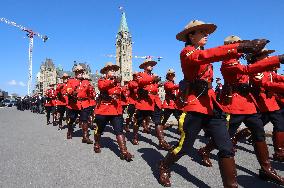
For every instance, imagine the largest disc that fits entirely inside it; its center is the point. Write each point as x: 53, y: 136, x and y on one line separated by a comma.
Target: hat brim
x: 266, y: 52
x: 208, y: 28
x: 110, y: 67
x: 168, y: 73
x: 79, y: 70
x: 148, y: 63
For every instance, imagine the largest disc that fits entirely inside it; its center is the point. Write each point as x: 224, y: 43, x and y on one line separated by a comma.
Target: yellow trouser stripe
x: 228, y: 117
x: 180, y: 127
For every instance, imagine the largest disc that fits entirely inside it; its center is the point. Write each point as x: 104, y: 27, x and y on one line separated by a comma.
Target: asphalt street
x: 36, y: 155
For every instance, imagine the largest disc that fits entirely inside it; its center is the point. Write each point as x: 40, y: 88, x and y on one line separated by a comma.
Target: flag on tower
x: 121, y: 8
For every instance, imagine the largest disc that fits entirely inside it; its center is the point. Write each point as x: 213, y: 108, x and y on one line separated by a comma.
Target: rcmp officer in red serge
x: 170, y: 105
x: 267, y: 103
x: 242, y: 107
x: 149, y: 103
x: 49, y: 102
x: 79, y: 93
x: 62, y: 98
x: 131, y: 100
x: 109, y: 109
x: 201, y: 106
x: 124, y: 102
x: 92, y: 102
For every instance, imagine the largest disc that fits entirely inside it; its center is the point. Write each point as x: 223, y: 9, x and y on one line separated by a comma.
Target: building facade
x: 46, y: 76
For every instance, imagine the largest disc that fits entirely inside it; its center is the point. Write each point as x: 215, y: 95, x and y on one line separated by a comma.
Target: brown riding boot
x: 126, y: 127
x: 205, y: 152
x: 125, y: 155
x: 97, y: 146
x: 146, y: 127
x: 278, y: 144
x: 54, y: 119
x: 164, y: 168
x: 86, y: 138
x: 266, y: 172
x: 160, y: 135
x: 60, y: 125
x: 135, y: 135
x: 242, y: 134
x: 228, y: 172
x: 69, y: 132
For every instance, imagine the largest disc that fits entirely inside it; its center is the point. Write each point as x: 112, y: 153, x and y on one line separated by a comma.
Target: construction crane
x: 30, y: 34
x: 139, y: 57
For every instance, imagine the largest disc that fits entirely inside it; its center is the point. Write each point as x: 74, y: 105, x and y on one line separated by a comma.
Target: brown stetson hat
x: 195, y: 25
x: 232, y: 39
x: 65, y: 75
x: 78, y: 68
x: 265, y: 51
x: 109, y: 66
x: 171, y: 71
x: 148, y: 62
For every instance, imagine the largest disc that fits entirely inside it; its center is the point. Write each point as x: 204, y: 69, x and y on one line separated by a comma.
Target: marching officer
x: 62, y: 99
x: 49, y: 102
x: 109, y: 109
x: 79, y: 93
x: 201, y: 106
x: 131, y: 100
x: 124, y: 102
x: 92, y: 102
x: 267, y: 103
x: 170, y: 105
x: 149, y: 103
x: 242, y: 107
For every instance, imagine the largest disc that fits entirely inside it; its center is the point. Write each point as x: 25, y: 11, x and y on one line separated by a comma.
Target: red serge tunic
x: 50, y: 93
x: 82, y: 90
x: 109, y: 99
x: 235, y: 74
x: 60, y: 93
x: 196, y: 63
x: 92, y: 97
x: 276, y: 85
x: 266, y: 100
x: 145, y: 82
x: 124, y: 95
x: 171, y: 90
x: 132, y: 86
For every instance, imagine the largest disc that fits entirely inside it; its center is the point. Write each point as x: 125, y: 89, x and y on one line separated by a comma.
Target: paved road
x: 36, y: 155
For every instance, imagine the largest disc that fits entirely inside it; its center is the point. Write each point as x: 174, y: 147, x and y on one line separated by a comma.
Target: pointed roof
x: 123, y: 24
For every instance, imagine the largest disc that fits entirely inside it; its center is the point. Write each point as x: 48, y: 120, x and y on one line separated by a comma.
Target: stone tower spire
x: 124, y: 50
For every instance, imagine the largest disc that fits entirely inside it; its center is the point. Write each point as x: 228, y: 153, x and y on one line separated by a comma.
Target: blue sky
x: 85, y: 31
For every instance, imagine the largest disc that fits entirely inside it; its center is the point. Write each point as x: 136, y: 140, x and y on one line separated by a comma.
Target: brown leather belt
x: 82, y: 99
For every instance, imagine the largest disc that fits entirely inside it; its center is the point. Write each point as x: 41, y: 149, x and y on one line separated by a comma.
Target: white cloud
x: 22, y: 84
x: 12, y: 82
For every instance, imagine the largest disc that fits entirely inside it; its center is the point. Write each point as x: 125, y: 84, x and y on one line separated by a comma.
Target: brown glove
x: 118, y: 79
x: 252, y: 46
x: 281, y: 59
x: 156, y: 79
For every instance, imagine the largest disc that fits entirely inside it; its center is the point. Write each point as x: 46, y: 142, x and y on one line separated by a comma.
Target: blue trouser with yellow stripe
x: 190, y: 126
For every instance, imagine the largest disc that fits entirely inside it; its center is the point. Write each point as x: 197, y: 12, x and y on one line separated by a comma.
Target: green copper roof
x: 123, y: 24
